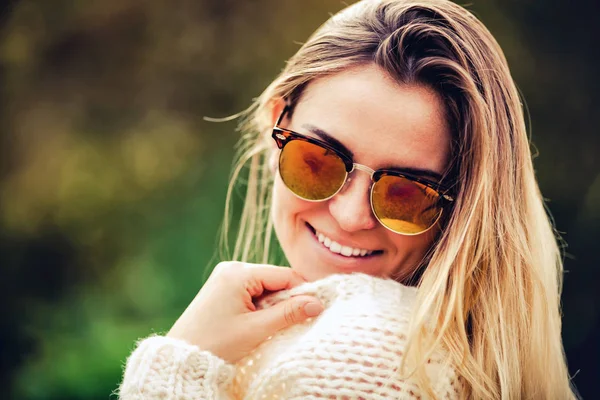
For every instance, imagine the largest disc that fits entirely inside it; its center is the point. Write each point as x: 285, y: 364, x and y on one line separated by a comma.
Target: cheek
x: 414, y: 244
x: 410, y: 250
x: 285, y: 209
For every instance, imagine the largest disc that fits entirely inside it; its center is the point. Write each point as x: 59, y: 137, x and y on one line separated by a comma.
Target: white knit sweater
x: 351, y: 351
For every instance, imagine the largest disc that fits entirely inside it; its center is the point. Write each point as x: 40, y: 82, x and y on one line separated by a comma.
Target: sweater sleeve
x: 165, y: 368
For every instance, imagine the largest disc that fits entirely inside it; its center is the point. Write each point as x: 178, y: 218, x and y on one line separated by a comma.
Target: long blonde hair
x: 493, y: 280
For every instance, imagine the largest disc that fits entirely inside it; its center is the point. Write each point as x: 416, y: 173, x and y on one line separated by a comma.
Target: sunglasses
x: 315, y: 170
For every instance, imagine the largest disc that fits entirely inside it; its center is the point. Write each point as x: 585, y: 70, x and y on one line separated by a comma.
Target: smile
x: 337, y: 248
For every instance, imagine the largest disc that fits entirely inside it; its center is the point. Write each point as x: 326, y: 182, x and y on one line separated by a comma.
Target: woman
x: 400, y: 154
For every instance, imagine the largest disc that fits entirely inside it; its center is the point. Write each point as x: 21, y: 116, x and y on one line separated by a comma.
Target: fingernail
x: 313, y: 308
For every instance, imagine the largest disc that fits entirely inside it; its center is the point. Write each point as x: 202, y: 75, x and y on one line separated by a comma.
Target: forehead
x: 382, y: 122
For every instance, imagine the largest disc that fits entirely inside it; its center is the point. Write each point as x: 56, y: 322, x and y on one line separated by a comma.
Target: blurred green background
x: 112, y: 184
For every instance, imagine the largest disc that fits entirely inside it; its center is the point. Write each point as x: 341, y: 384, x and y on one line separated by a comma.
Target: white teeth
x: 335, y: 247
x: 346, y: 251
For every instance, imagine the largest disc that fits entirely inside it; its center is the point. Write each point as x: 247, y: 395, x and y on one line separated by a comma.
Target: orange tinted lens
x: 311, y: 171
x: 405, y: 206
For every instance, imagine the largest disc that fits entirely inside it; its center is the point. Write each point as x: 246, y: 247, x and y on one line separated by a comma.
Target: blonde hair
x: 492, y: 283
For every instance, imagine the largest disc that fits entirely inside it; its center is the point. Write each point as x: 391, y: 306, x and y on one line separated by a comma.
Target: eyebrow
x: 326, y: 137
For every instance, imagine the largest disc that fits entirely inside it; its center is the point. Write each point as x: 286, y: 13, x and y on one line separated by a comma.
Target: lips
x: 342, y: 250
x: 346, y: 251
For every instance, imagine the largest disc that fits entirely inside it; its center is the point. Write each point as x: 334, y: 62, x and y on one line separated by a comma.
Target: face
x: 384, y: 124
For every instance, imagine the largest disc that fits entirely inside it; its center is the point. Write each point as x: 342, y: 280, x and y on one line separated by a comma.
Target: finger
x: 261, y: 277
x: 286, y: 313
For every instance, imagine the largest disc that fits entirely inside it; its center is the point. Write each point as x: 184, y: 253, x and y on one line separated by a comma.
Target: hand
x: 222, y: 318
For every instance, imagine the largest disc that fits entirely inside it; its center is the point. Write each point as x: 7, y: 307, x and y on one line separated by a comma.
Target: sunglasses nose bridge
x: 360, y: 167
x: 363, y: 168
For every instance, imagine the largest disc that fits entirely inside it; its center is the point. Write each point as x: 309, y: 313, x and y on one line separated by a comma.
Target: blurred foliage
x: 113, y: 185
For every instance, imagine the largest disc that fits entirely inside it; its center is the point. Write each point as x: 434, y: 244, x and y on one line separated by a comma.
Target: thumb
x: 289, y: 312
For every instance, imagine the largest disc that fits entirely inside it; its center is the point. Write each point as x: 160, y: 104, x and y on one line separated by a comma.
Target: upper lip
x: 343, y: 242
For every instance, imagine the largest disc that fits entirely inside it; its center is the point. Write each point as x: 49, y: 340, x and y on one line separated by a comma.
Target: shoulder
x: 359, y: 340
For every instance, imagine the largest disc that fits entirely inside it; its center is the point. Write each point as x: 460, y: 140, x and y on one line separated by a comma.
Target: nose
x: 351, y: 207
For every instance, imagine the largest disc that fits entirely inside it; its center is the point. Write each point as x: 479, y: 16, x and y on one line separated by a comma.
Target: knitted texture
x: 165, y: 368
x: 353, y: 350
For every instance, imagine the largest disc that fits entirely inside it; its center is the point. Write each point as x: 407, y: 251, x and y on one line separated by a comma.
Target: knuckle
x: 253, y: 287
x: 220, y: 267
x: 227, y: 267
x: 290, y: 313
x: 237, y: 274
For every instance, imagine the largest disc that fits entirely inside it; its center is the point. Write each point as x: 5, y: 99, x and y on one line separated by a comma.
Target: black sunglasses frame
x: 283, y: 136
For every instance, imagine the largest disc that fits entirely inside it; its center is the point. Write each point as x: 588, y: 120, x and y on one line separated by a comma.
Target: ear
x: 276, y: 110
x: 273, y: 160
